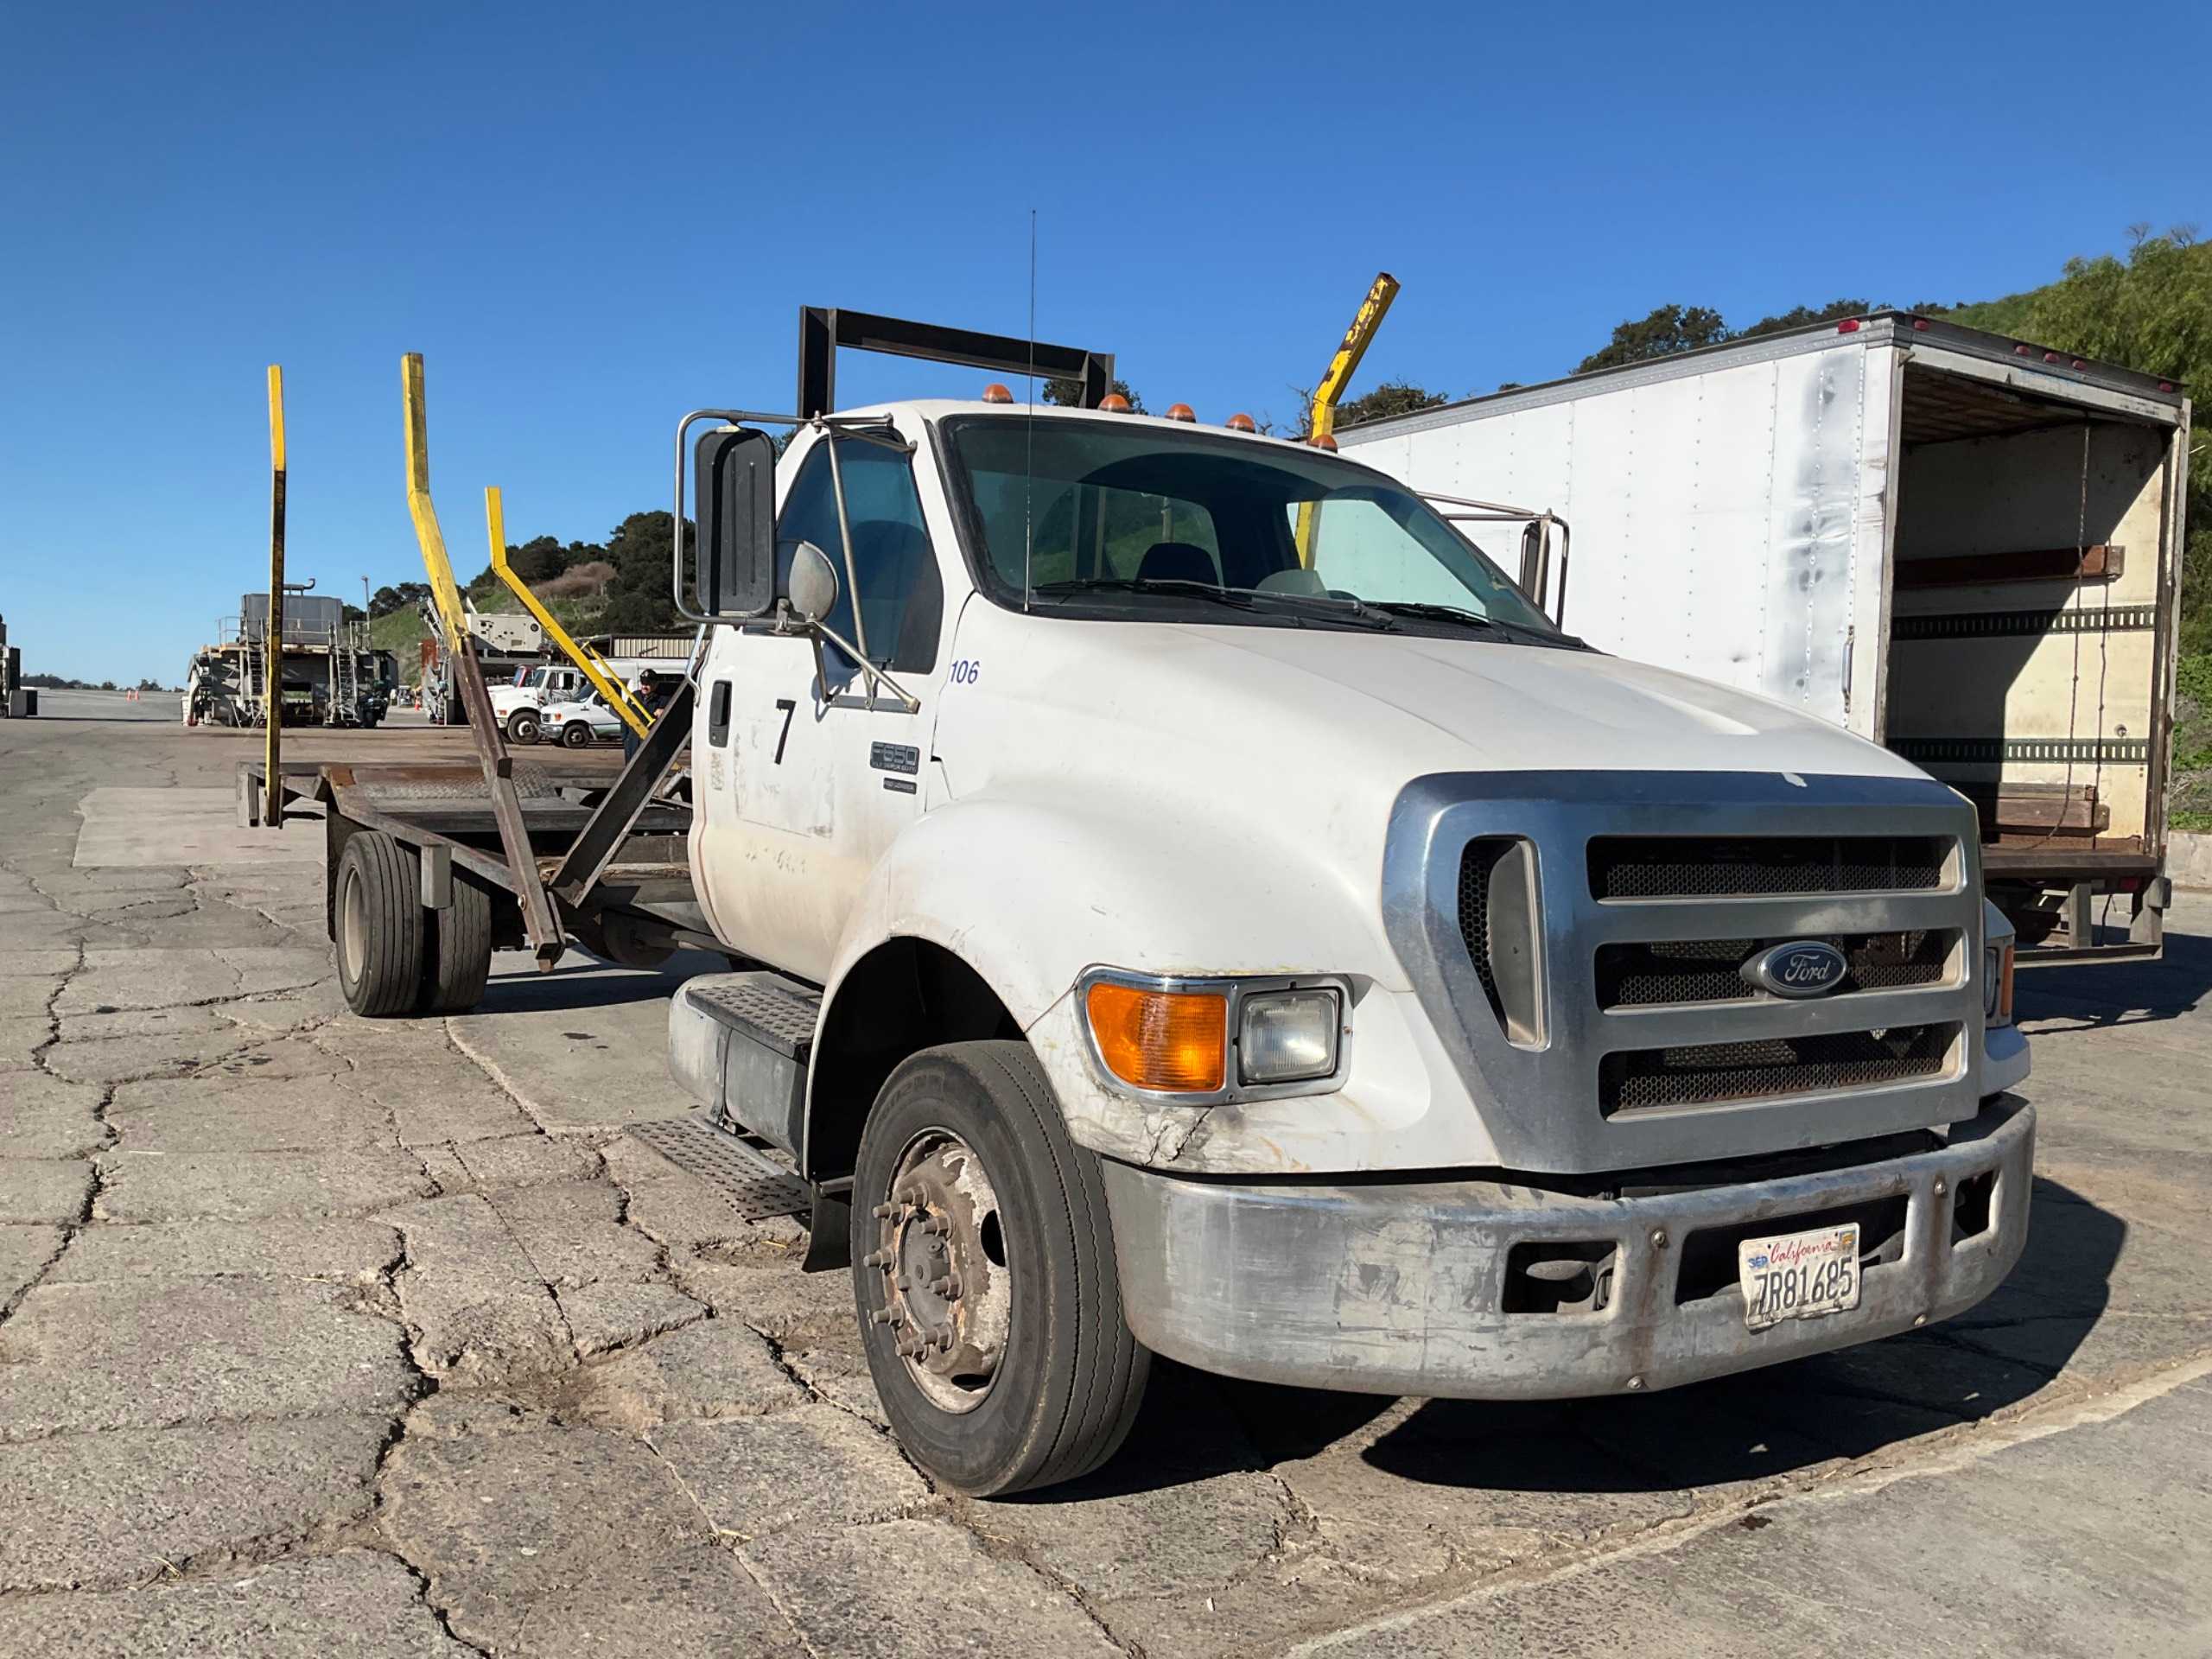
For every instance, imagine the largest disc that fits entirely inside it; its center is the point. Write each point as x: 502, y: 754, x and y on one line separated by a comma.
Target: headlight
x: 1206, y: 1040
x: 1286, y: 1036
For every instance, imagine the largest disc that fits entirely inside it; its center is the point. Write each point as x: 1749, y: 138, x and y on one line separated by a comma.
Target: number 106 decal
x: 967, y: 671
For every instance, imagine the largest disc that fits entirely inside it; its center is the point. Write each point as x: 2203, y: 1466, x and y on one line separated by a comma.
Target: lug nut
x: 1635, y: 1384
x: 885, y: 1212
x: 881, y: 1316
x: 1939, y: 1188
x: 1658, y: 1238
x: 936, y: 1226
x: 876, y: 1259
x: 948, y: 1286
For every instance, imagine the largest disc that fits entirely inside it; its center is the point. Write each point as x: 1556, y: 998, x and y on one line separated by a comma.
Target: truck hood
x: 1265, y: 706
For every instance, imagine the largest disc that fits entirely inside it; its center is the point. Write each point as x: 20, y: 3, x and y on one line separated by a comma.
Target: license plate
x: 1798, y: 1275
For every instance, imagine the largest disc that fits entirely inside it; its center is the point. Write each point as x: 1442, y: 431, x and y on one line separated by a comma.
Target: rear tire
x: 457, y: 949
x: 376, y: 925
x: 522, y: 726
x: 1025, y: 1374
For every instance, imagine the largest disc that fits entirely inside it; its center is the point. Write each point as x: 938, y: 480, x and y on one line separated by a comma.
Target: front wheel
x: 576, y: 735
x: 522, y: 726
x: 983, y: 1276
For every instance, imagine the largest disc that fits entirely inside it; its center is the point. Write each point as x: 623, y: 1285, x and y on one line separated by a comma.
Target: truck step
x: 740, y: 1043
x: 747, y: 1179
x: 775, y: 1012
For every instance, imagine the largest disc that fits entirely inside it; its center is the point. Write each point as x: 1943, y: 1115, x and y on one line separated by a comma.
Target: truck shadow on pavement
x: 1733, y: 1431
x: 2087, y: 996
x: 582, y: 981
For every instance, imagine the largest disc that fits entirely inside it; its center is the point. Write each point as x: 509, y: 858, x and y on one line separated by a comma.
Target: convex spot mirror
x: 810, y: 581
x: 733, y: 577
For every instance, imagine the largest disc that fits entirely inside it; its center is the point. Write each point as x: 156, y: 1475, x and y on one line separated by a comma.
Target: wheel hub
x: 946, y: 1292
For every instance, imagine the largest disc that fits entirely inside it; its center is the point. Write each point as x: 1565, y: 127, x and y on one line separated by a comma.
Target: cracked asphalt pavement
x: 327, y: 1336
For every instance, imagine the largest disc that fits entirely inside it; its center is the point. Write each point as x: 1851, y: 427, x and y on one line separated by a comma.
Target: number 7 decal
x: 787, y: 705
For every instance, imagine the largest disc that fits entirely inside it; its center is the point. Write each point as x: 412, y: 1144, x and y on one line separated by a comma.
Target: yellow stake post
x: 593, y: 665
x: 1341, y: 368
x: 272, y: 804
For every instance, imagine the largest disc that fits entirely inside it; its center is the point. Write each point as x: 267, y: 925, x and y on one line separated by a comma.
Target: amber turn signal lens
x: 2005, y: 989
x: 1176, y: 1042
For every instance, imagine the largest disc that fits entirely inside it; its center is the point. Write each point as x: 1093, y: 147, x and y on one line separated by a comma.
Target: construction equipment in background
x: 1365, y: 322
x: 595, y: 667
x: 18, y: 701
x: 328, y: 667
x: 506, y: 644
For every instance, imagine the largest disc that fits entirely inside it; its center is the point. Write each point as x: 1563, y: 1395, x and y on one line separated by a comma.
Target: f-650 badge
x: 1800, y: 967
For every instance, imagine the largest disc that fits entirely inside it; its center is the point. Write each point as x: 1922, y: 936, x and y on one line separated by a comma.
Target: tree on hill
x: 1068, y: 394
x: 641, y: 550
x: 401, y: 597
x: 2151, y: 311
x: 1398, y: 396
x: 1666, y: 330
x: 1798, y: 316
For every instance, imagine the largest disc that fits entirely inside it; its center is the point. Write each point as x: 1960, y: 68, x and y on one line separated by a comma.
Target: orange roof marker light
x: 995, y: 393
x: 1180, y: 412
x: 1240, y: 421
x: 1113, y: 404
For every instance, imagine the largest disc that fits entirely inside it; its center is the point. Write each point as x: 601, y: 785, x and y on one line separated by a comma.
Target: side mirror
x: 1535, y: 562
x: 810, y: 582
x: 733, y: 577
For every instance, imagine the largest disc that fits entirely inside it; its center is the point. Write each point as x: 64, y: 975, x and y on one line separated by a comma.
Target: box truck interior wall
x: 2027, y: 553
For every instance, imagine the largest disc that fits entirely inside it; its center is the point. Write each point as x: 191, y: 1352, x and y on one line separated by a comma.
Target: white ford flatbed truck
x: 1285, y: 952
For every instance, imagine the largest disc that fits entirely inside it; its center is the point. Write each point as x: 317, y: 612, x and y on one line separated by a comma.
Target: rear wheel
x: 456, y: 950
x: 521, y: 726
x: 983, y: 1276
x: 378, y: 924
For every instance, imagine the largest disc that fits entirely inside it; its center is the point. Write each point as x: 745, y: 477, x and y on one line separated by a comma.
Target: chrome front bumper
x: 1403, y: 1287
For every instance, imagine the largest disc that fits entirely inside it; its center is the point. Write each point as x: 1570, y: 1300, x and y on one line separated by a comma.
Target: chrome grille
x: 1707, y: 1074
x: 1648, y: 973
x: 1650, y: 892
x: 1687, y: 867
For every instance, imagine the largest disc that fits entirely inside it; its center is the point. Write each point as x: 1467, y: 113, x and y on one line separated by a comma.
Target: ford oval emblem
x: 1800, y: 967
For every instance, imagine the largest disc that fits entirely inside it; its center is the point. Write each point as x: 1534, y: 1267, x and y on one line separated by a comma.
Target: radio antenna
x: 1029, y: 433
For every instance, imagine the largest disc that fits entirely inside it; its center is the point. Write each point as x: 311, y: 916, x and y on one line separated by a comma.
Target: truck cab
x: 1203, y: 908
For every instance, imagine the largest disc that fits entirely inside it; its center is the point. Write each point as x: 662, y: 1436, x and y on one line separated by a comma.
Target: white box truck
x: 1291, y: 954
x: 1963, y: 547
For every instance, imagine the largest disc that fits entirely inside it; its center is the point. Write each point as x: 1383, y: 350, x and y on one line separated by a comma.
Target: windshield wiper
x: 1426, y: 611
x: 1178, y: 587
x: 1296, y: 607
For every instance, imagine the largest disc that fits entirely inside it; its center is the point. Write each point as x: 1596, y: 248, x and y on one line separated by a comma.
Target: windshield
x: 1129, y: 520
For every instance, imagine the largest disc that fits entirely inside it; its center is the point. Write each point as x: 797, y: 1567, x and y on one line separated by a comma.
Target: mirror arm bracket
x: 822, y: 630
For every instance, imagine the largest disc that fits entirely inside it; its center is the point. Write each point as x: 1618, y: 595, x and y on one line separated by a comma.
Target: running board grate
x: 749, y: 1181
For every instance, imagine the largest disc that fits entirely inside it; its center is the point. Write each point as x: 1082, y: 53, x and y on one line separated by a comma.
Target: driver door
x: 808, y: 784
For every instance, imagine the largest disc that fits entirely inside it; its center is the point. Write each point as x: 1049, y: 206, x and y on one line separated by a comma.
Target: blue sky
x: 590, y: 220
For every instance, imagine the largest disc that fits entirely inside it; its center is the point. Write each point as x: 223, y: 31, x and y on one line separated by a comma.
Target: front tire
x: 376, y: 925
x: 522, y: 726
x: 983, y: 1276
x: 576, y: 735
